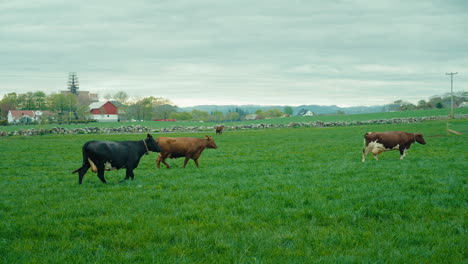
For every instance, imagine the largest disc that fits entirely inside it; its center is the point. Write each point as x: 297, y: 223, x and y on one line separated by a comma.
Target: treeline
x: 235, y: 114
x: 64, y: 105
x: 435, y: 102
x: 153, y: 108
x: 68, y: 108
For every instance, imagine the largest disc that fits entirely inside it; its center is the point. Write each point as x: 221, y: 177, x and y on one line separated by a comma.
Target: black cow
x: 114, y: 155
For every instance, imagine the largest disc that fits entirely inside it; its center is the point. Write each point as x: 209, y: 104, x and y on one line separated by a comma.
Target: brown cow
x: 219, y: 129
x: 378, y: 142
x: 188, y: 147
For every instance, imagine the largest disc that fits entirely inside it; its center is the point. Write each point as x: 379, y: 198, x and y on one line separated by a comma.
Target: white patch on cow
x: 376, y: 148
x: 108, y: 166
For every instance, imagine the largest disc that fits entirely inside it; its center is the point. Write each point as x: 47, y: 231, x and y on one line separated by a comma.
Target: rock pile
x: 138, y: 129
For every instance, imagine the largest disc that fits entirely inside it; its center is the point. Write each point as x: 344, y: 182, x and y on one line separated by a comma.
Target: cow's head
x: 151, y: 143
x: 419, y: 138
x: 211, y: 142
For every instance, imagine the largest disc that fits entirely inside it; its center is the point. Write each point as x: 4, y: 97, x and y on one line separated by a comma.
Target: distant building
x: 104, y: 111
x: 84, y: 97
x: 251, y: 117
x: 27, y: 116
x: 305, y: 112
x: 120, y: 110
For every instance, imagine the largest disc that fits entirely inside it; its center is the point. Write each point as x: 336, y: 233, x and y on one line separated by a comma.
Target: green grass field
x: 298, y: 195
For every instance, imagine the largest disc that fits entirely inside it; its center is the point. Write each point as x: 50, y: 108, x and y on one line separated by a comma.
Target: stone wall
x: 142, y: 129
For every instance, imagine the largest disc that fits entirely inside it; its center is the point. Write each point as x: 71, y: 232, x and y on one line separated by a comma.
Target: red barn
x: 104, y: 111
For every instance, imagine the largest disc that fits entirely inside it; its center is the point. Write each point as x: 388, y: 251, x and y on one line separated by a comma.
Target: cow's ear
x: 149, y: 136
x: 207, y: 137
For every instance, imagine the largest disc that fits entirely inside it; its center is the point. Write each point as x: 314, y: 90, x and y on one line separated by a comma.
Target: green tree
x: 121, y: 97
x: 261, y: 114
x: 148, y: 108
x: 65, y: 105
x: 422, y: 104
x: 8, y: 103
x: 61, y: 103
x: 435, y: 102
x: 241, y: 112
x: 40, y: 100
x: 164, y: 111
x: 274, y: 113
x: 82, y: 112
x: 141, y: 109
x: 401, y: 105
x: 199, y: 115
x: 181, y: 116
x: 288, y: 110
x: 217, y: 116
x: 232, y: 116
x: 25, y: 101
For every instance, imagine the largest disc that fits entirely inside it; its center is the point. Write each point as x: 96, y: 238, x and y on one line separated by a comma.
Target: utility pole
x: 451, y: 89
x: 73, y: 85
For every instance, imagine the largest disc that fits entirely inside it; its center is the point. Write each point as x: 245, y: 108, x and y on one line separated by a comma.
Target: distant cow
x: 219, y: 129
x: 378, y: 142
x: 188, y: 147
x: 114, y: 155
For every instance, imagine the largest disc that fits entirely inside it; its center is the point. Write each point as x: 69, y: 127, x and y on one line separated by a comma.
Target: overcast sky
x: 269, y: 52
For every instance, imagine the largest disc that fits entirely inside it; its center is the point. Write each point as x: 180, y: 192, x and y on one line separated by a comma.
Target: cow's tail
x: 85, y: 159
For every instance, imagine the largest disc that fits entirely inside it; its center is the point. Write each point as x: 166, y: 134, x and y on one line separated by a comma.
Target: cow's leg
x: 402, y: 153
x: 165, y: 163
x: 162, y: 158
x: 195, y: 158
x: 129, y: 174
x: 158, y: 161
x: 81, y: 172
x: 186, y: 160
x: 196, y: 162
x: 100, y: 173
x: 365, y: 151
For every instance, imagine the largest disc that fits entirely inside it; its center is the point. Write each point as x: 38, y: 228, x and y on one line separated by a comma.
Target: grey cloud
x: 250, y: 50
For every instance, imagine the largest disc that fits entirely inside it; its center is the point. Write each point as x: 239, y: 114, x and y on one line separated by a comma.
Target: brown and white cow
x: 378, y: 142
x: 188, y: 147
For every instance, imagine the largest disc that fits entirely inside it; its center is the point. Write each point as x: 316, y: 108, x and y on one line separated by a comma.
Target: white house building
x: 26, y: 116
x: 305, y: 112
